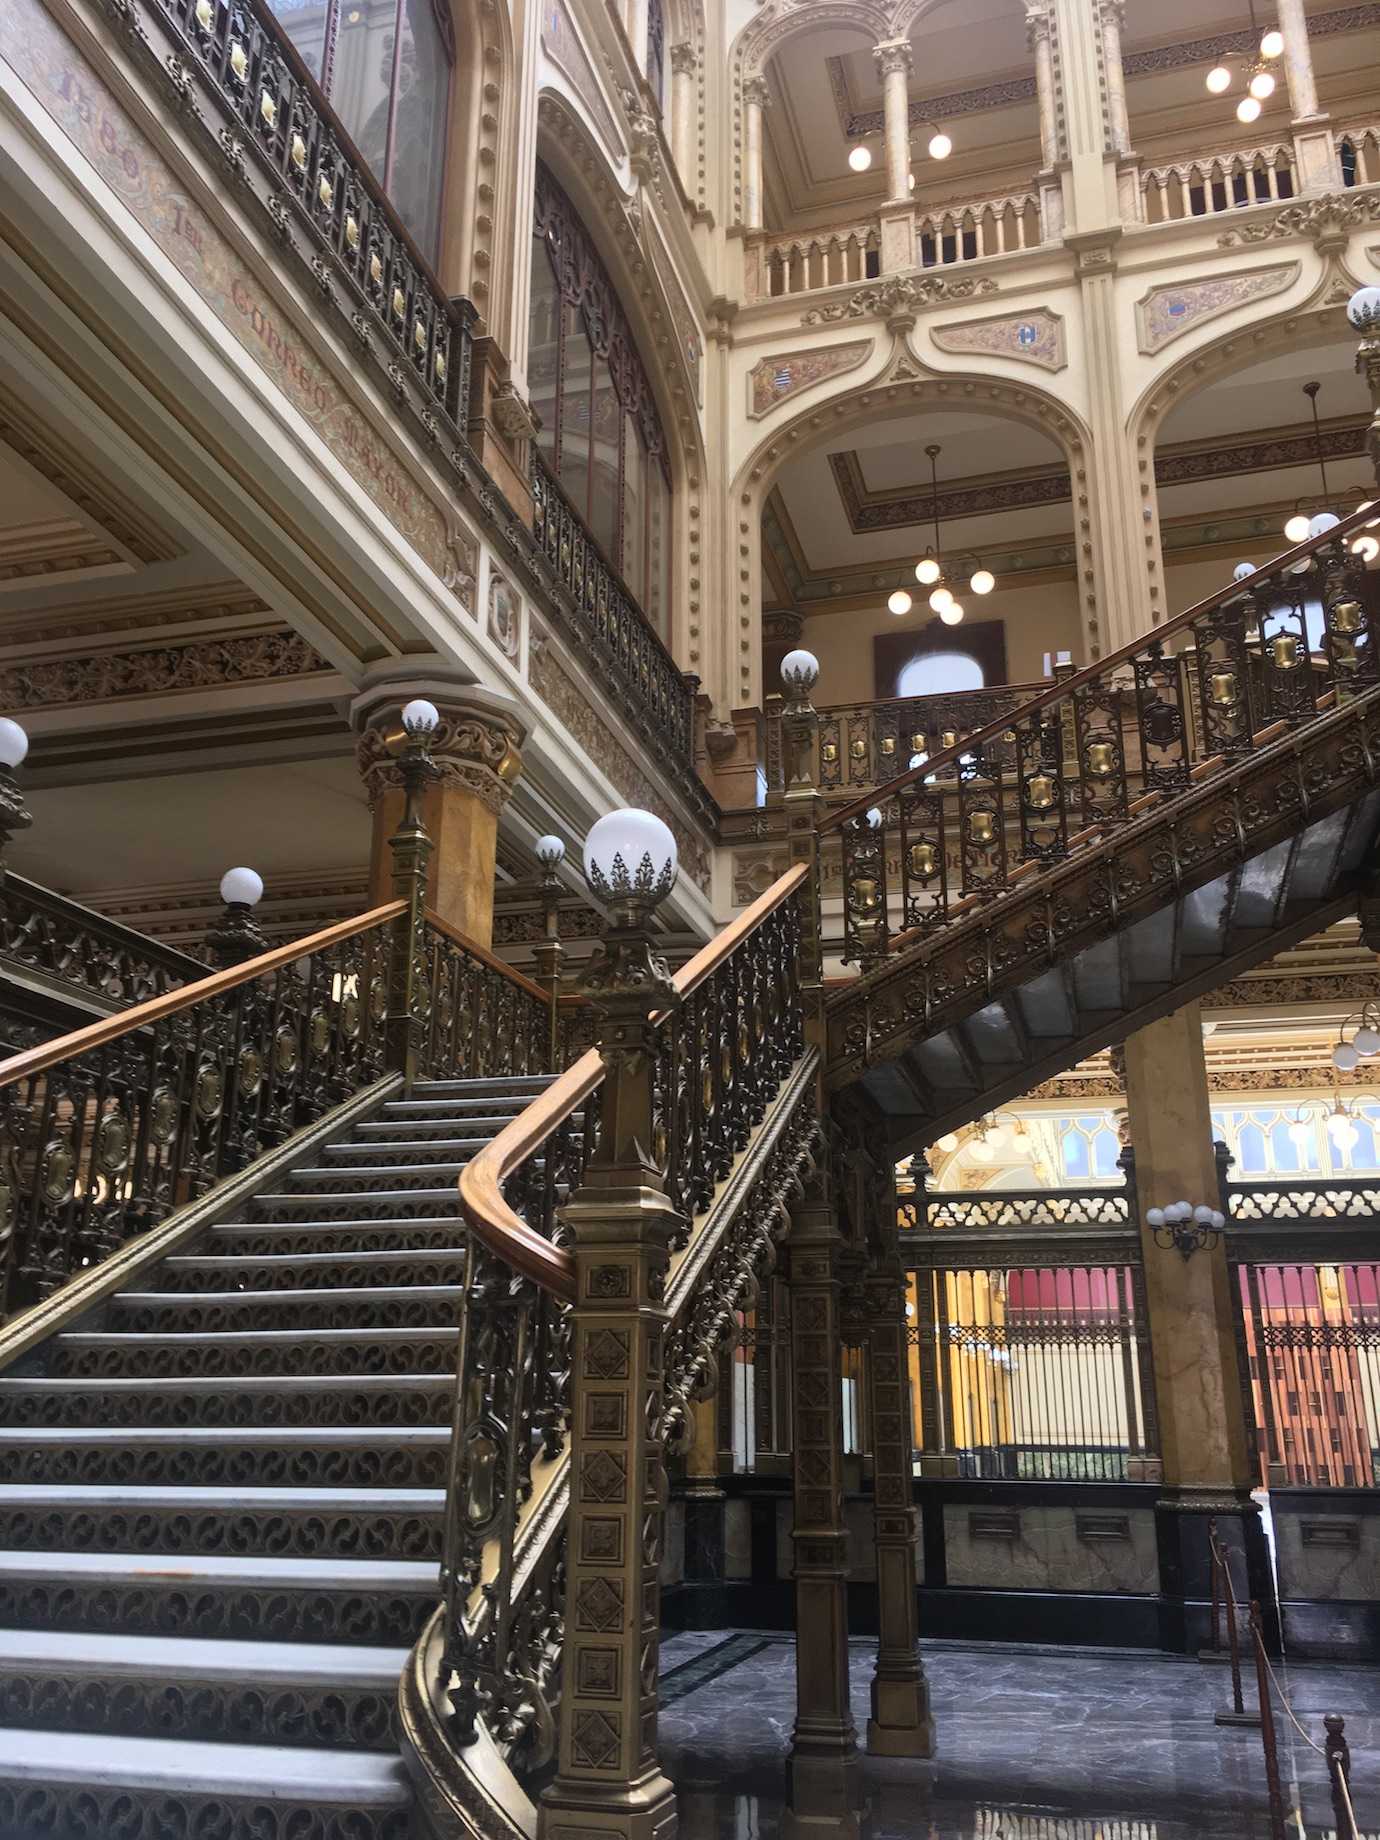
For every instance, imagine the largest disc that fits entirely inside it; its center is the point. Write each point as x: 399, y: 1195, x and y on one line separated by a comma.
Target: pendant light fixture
x: 939, y: 576
x: 1260, y: 80
x: 1313, y: 515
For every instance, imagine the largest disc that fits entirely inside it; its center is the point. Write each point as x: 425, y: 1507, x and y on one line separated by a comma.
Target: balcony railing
x: 658, y: 699
x: 821, y: 258
x: 72, y: 949
x: 987, y: 227
x: 1213, y: 183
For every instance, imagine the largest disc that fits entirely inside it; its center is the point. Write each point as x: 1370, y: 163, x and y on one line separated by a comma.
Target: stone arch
x: 902, y: 387
x: 615, y: 223
x: 481, y: 181
x: 777, y: 22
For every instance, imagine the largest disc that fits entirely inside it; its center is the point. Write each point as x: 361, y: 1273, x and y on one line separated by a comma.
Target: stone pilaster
x: 893, y: 60
x: 684, y: 64
x: 756, y: 100
x: 1038, y: 39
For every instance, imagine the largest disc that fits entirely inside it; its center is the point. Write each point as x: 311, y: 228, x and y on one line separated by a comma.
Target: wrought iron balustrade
x: 731, y: 1075
x: 107, y: 1130
x: 1019, y: 1211
x: 659, y: 702
x: 45, y: 932
x: 1090, y: 754
x: 1299, y: 1200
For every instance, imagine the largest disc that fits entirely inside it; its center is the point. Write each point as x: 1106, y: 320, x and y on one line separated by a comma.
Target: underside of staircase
x: 220, y: 1519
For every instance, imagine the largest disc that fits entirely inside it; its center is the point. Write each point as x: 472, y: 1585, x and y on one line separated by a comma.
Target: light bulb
x: 1363, y: 309
x: 14, y: 743
x: 241, y: 888
x: 947, y: 1142
x: 874, y: 818
x: 1301, y: 1133
x: 800, y: 672
x: 1345, y: 1057
x: 927, y: 571
x: 910, y: 182
x: 1242, y: 570
x: 983, y: 581
x: 1323, y: 522
x: 1343, y: 1132
x: 1296, y: 529
x: 550, y: 852
x: 860, y: 159
x: 1248, y: 109
x: 630, y: 852
x: 952, y: 614
x: 982, y: 1152
x: 1154, y: 1217
x: 1219, y: 1219
x: 420, y: 717
x: 1262, y: 85
x: 899, y: 601
x: 997, y: 1137
x: 940, y: 599
x: 1219, y: 79
x: 1272, y: 45
x: 1366, y: 1041
x: 1203, y: 1215
x: 941, y: 146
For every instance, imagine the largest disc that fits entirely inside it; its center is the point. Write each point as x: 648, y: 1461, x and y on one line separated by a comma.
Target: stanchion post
x: 1222, y: 1588
x: 1216, y: 1641
x: 1338, y: 1753
x: 1267, y: 1729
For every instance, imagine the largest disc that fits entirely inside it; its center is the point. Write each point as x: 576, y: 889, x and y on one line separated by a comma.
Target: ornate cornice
x: 197, y: 664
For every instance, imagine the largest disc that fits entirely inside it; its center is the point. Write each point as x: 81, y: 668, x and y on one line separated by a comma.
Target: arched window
x: 600, y: 434
x: 384, y: 66
x: 937, y: 673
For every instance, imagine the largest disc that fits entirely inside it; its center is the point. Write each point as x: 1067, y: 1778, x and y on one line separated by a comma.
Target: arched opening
x: 939, y: 673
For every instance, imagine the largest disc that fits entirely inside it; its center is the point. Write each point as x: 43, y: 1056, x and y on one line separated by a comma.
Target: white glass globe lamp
x: 1219, y: 79
x: 1248, y: 109
x: 14, y: 743
x: 860, y: 159
x: 927, y: 571
x: 630, y: 857
x: 983, y: 581
x: 419, y: 717
x: 899, y: 602
x: 241, y: 888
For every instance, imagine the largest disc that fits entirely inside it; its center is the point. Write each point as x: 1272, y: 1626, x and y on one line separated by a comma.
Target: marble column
x: 756, y: 99
x: 824, y: 1766
x: 1038, y: 40
x: 897, y: 215
x: 1113, y: 16
x: 1206, y: 1448
x: 477, y: 758
x: 1314, y: 154
x: 683, y: 67
x: 901, y: 1724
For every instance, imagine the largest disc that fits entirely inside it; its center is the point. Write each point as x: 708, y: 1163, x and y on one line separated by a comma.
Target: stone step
x: 348, y: 1524
x: 415, y: 1306
x: 290, y: 1693
x: 273, y: 1351
x: 393, y: 1202
x: 248, y: 1239
x: 317, y: 1271
x: 64, y: 1784
x: 226, y: 1597
x: 498, y: 1085
x: 416, y: 1151
x: 401, y: 1400
x: 264, y: 1456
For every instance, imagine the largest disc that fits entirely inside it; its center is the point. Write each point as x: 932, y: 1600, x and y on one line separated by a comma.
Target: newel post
x: 408, y: 994
x: 609, y: 1782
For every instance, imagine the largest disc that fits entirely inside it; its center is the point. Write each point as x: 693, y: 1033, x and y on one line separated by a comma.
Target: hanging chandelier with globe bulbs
x: 1260, y: 80
x: 1313, y: 515
x: 1363, y: 1044
x: 938, y: 574
x: 939, y: 146
x: 1342, y: 1121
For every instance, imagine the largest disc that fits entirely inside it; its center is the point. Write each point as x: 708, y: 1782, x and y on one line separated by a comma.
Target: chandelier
x: 1260, y: 79
x: 932, y: 571
x: 1340, y: 1120
x: 1313, y: 515
x: 939, y: 147
x: 1364, y: 1044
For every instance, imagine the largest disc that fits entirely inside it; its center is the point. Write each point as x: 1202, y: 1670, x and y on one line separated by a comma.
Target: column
x: 1316, y: 157
x: 893, y: 59
x: 683, y: 67
x: 1037, y: 38
x: 756, y: 98
x: 1205, y: 1446
x: 476, y: 753
x: 824, y: 1767
x: 901, y: 1724
x: 609, y: 1784
x: 1113, y: 15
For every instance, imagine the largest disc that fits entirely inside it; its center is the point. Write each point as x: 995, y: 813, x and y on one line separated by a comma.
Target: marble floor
x: 1033, y: 1744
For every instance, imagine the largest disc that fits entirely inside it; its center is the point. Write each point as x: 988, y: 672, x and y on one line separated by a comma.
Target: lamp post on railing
x: 411, y: 850
x: 800, y: 746
x: 622, y: 1223
x: 549, y: 952
x: 14, y: 813
x: 1363, y: 311
x: 237, y: 936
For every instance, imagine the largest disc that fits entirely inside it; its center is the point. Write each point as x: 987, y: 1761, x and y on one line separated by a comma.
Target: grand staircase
x: 221, y: 1515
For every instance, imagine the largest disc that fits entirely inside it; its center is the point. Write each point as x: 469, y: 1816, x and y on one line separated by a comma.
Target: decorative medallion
x: 249, y: 1071
x: 375, y: 268
x: 773, y: 381
x: 320, y: 1033
x: 112, y: 1142
x: 163, y: 1115
x: 323, y: 192
x: 505, y: 614
x: 399, y: 304
x: 268, y: 108
x: 351, y: 222
x: 349, y: 1018
x: 239, y: 62
x: 1036, y: 337
x: 210, y: 1091
x: 298, y: 153
x: 58, y: 1164
x: 285, y: 1049
x: 204, y: 15
x: 1166, y: 313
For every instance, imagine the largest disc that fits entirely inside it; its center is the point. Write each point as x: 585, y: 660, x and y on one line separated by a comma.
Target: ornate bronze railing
x: 660, y: 703
x: 1019, y: 1211
x: 262, y: 85
x: 104, y: 1131
x: 1260, y: 658
x: 732, y: 1072
x: 45, y: 932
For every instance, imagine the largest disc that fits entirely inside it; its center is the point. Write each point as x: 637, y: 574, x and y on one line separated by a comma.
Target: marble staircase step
x: 288, y: 1400
x: 296, y: 1271
x: 263, y: 1456
x: 419, y: 1306
x: 240, y: 1352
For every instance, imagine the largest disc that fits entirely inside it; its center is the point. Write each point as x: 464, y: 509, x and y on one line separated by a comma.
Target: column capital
x: 684, y: 60
x: 1037, y: 24
x: 893, y: 54
x: 756, y: 90
x: 476, y: 745
x: 1112, y: 12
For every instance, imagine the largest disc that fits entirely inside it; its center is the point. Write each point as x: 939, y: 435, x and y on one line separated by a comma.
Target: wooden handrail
x: 489, y: 1216
x: 486, y: 957
x: 1090, y: 673
x: 110, y: 1028
x: 932, y: 696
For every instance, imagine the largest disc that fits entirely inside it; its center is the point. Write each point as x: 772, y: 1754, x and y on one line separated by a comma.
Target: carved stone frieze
x: 1327, y: 221
x: 773, y: 381
x: 899, y: 299
x: 198, y: 664
x: 1036, y: 337
x: 1166, y: 312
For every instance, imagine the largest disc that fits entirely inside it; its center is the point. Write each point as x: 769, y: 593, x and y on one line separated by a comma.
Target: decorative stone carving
x: 562, y: 44
x: 773, y: 381
x: 899, y: 299
x: 505, y: 615
x: 198, y: 664
x: 471, y: 747
x: 1327, y: 221
x: 1167, y: 312
x: 1030, y: 338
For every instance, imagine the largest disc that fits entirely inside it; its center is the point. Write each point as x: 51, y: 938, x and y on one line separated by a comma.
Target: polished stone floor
x: 1033, y: 1744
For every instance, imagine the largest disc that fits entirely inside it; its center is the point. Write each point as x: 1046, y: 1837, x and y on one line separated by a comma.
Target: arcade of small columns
x: 1316, y: 156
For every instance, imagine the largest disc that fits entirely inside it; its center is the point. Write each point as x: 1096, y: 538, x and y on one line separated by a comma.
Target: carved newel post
x: 237, y: 936
x: 410, y: 847
x: 804, y: 807
x: 609, y: 1784
x: 548, y: 952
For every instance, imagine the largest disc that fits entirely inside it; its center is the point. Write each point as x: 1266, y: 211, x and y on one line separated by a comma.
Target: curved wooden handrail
x: 110, y: 1028
x: 1090, y: 673
x: 486, y: 957
x: 489, y: 1216
x: 864, y: 704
